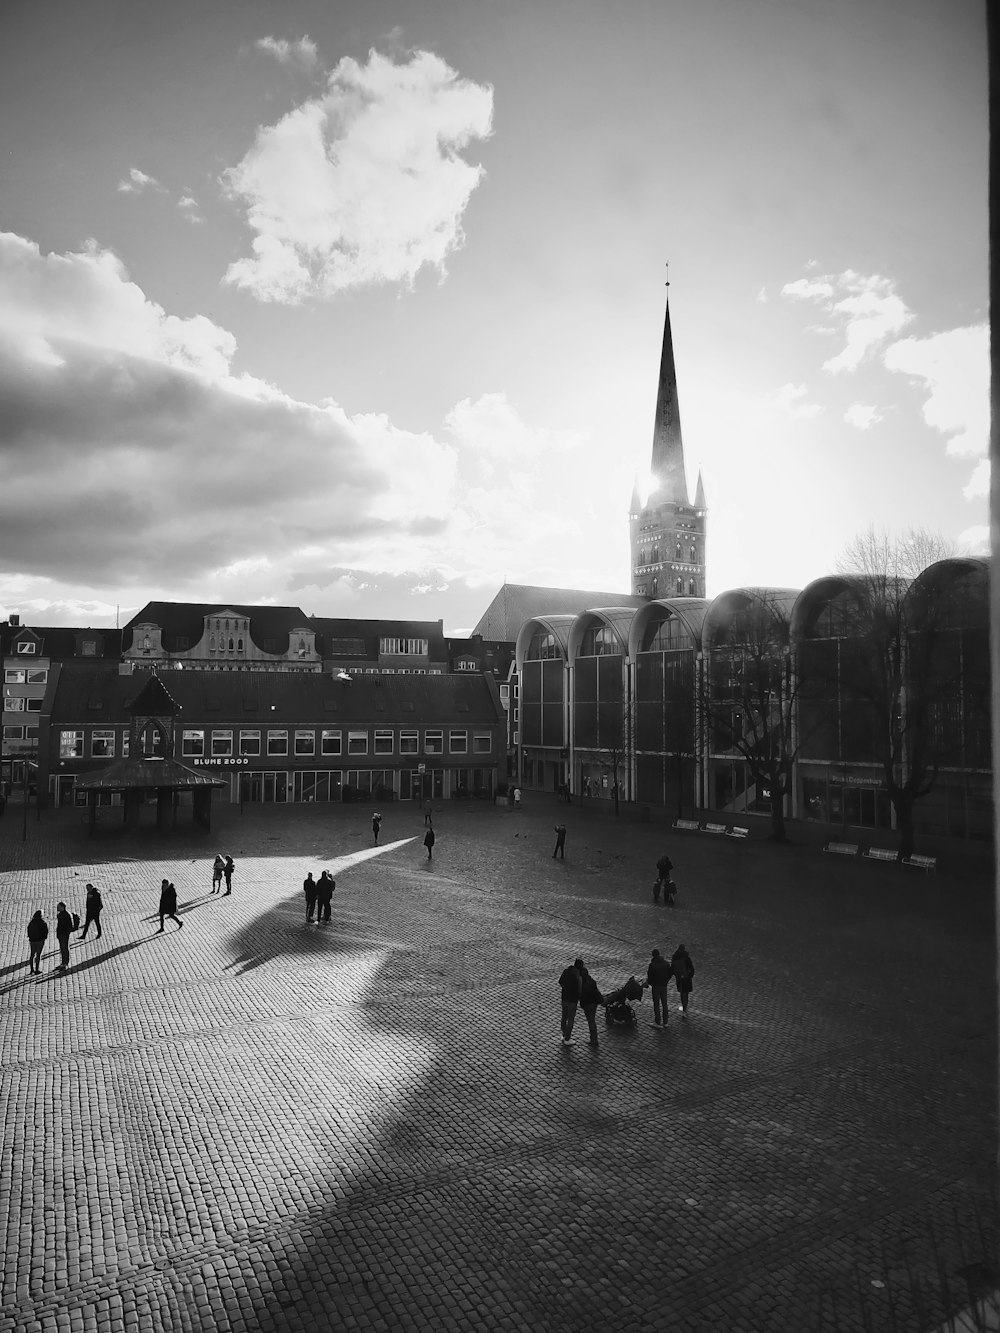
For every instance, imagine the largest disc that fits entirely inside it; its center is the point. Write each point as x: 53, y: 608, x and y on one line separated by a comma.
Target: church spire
x: 667, y: 462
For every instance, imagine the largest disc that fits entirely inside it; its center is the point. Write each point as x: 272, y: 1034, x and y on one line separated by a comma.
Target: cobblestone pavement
x: 253, y: 1123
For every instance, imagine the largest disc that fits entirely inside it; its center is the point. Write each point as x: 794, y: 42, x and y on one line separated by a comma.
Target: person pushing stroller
x: 664, y: 881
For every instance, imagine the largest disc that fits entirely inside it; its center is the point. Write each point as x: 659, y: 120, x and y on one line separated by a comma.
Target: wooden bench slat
x: 921, y: 862
x: 690, y: 824
x: 737, y: 832
x: 880, y: 854
x: 713, y: 828
x: 842, y: 848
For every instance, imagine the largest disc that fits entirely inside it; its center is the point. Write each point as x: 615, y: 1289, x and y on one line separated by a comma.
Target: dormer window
x: 26, y: 648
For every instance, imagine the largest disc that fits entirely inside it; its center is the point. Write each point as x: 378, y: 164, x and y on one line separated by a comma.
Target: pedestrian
x: 376, y: 825
x: 324, y: 897
x: 517, y: 798
x: 683, y: 970
x: 92, y: 911
x: 429, y: 843
x: 218, y: 866
x: 310, y: 890
x: 38, y: 933
x: 560, y: 850
x: 168, y: 904
x: 658, y: 975
x: 227, y: 871
x: 65, y: 925
x: 570, y: 983
x: 590, y: 998
x: 429, y: 816
x: 663, y: 868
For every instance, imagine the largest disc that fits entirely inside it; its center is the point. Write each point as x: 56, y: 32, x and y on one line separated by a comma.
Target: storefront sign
x: 228, y: 762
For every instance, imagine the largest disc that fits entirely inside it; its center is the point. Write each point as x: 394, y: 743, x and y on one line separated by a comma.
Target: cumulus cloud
x: 300, y: 54
x: 364, y: 184
x: 137, y: 181
x: 866, y: 310
x: 189, y: 210
x: 954, y: 369
x: 978, y: 485
x: 862, y: 416
x: 975, y: 540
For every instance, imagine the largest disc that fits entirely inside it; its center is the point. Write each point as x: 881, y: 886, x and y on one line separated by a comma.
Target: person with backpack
x: 168, y: 905
x: 570, y: 985
x: 92, y: 911
x: 65, y: 925
x: 658, y: 974
x: 683, y: 970
x: 38, y: 933
x: 227, y: 871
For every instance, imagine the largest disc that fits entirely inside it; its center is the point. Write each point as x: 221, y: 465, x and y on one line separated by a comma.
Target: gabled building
x: 207, y: 637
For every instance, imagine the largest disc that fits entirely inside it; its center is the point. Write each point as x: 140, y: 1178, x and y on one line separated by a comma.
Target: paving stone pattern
x: 257, y: 1124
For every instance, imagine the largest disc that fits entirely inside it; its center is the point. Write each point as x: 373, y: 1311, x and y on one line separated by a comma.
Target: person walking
x: 218, y: 866
x: 376, y: 826
x: 309, y: 888
x: 324, y: 897
x: 429, y: 843
x: 517, y: 798
x: 560, y: 850
x: 65, y: 925
x: 168, y: 904
x: 92, y: 911
x: 658, y: 975
x: 570, y: 983
x: 590, y: 998
x: 663, y: 868
x: 38, y: 933
x: 683, y: 970
x: 227, y: 871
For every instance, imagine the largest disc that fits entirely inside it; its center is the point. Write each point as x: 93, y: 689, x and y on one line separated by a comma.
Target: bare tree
x: 895, y: 673
x: 748, y: 704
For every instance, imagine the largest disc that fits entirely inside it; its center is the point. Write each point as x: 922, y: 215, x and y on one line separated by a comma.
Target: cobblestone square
x: 257, y: 1123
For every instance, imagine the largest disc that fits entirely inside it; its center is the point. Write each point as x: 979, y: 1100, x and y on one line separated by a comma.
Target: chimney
x: 14, y: 622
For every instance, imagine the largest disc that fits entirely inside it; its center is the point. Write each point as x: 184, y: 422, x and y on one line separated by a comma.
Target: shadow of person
x: 94, y: 960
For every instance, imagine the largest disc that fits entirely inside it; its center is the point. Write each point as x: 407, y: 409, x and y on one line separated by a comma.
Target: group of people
x: 67, y: 924
x: 579, y: 990
x: 319, y: 897
x: 222, y: 869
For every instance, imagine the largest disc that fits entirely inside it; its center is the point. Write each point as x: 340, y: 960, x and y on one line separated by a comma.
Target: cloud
x: 975, y: 540
x: 189, y: 210
x: 786, y: 402
x: 862, y: 416
x: 137, y: 181
x: 362, y: 185
x: 299, y: 55
x: 865, y: 310
x: 955, y: 371
x: 978, y: 485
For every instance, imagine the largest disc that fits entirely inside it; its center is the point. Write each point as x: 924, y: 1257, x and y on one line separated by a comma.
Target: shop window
x: 482, y: 742
x: 330, y: 742
x: 305, y: 742
x: 102, y: 744
x: 458, y: 742
x: 222, y: 744
x: 357, y: 742
x: 277, y: 742
x: 192, y: 743
x: 409, y: 742
x: 250, y: 743
x: 383, y: 742
x: 434, y: 742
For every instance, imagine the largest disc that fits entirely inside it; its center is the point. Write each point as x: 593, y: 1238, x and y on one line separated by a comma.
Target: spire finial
x: 667, y: 268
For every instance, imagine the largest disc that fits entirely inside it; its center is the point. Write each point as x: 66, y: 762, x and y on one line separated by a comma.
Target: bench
x: 713, y: 828
x: 691, y: 825
x: 842, y: 848
x: 738, y: 832
x: 924, y: 863
x: 881, y: 854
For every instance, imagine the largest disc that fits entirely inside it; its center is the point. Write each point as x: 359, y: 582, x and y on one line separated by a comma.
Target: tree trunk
x: 904, y: 821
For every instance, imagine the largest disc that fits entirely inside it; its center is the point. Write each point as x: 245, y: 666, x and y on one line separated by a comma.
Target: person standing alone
x: 92, y: 911
x: 376, y: 826
x: 168, y: 905
x: 560, y: 850
x: 38, y: 933
x: 429, y: 843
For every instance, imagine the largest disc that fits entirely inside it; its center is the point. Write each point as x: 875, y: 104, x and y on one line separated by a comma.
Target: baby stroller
x: 618, y: 1005
x: 668, y: 889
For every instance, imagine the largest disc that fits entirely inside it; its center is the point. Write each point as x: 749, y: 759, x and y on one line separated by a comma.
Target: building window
x: 305, y: 742
x: 151, y: 742
x: 13, y: 705
x: 102, y: 744
x: 680, y: 587
x: 13, y: 733
x: 542, y: 647
x: 330, y: 742
x: 434, y: 742
x: 694, y: 554
x: 402, y: 647
x: 31, y: 734
x: 468, y: 664
x: 88, y: 648
x: 250, y: 743
x: 409, y: 742
x: 458, y: 742
x: 26, y: 649
x: 70, y: 744
x: 482, y: 742
x: 14, y: 677
x: 383, y: 742
x: 222, y: 744
x: 357, y: 742
x: 691, y: 591
x: 37, y: 675
x: 504, y: 692
x: 125, y: 741
x: 192, y: 743
x: 277, y: 742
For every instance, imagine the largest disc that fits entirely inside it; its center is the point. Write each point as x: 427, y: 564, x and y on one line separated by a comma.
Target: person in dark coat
x: 309, y: 888
x: 569, y: 986
x: 590, y: 998
x: 324, y: 896
x: 38, y: 933
x: 218, y: 865
x: 168, y: 905
x: 92, y: 911
x: 376, y: 826
x: 227, y: 871
x: 658, y: 975
x: 560, y: 850
x: 429, y: 843
x: 683, y: 970
x: 65, y: 925
x: 663, y: 868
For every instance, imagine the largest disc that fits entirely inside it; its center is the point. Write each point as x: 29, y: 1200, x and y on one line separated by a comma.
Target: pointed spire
x: 667, y: 462
x: 699, y: 495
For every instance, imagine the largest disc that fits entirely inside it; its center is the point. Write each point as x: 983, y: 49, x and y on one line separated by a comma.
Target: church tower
x: 667, y: 531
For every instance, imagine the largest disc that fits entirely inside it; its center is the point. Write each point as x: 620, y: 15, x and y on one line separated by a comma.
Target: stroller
x: 668, y: 888
x: 618, y: 1007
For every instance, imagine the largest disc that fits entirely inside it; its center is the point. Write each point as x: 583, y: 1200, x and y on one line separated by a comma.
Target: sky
x: 358, y: 306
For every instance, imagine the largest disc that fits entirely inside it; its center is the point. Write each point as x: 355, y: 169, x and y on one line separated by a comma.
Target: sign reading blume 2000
x: 227, y: 760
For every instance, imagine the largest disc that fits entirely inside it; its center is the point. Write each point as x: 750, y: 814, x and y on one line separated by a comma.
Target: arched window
x: 691, y: 591
x: 211, y: 643
x: 694, y: 554
x: 239, y: 644
x: 680, y: 587
x: 598, y: 641
x: 654, y: 558
x: 655, y: 591
x: 677, y: 551
x: 542, y: 647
